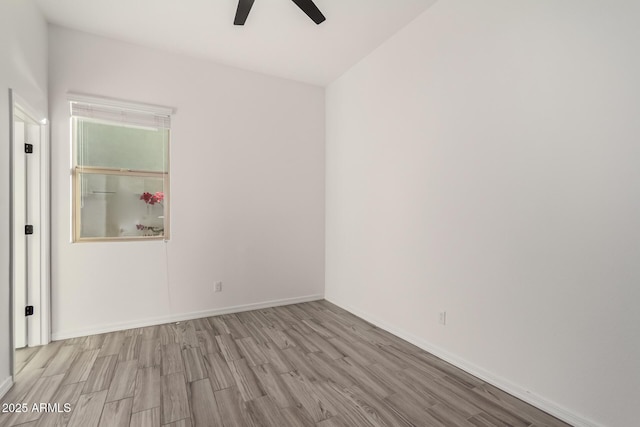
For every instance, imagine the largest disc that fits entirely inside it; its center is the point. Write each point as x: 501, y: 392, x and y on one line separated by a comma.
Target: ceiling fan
x: 307, y: 6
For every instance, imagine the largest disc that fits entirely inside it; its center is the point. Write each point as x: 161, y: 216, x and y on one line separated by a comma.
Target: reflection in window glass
x: 121, y: 206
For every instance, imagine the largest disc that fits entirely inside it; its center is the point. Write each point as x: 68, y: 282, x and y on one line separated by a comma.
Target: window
x: 120, y: 170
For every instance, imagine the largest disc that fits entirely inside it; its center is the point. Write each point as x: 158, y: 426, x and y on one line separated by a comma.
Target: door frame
x: 39, y: 326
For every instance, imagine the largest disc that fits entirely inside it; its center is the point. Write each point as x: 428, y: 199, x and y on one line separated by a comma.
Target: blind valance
x: 123, y: 112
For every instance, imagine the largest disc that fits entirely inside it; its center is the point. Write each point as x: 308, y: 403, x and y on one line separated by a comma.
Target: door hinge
x: 28, y: 148
x: 28, y: 229
x: 28, y: 310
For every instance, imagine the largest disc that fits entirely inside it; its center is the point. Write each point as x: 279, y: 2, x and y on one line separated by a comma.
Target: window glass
x: 121, y: 206
x: 120, y: 175
x: 122, y: 147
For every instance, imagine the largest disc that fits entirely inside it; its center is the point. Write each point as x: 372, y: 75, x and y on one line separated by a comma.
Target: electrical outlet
x: 217, y: 287
x: 442, y: 318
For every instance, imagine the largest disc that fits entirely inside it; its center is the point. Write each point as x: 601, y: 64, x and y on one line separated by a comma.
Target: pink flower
x: 146, y: 197
x: 152, y: 199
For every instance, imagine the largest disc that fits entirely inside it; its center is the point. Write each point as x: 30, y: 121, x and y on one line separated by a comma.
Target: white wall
x: 23, y: 68
x: 247, y: 188
x: 484, y: 161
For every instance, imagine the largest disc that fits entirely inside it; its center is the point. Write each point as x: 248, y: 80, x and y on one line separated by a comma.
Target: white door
x: 19, y: 237
x: 26, y: 212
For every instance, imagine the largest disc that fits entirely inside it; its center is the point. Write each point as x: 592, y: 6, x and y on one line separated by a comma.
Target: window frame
x: 78, y: 171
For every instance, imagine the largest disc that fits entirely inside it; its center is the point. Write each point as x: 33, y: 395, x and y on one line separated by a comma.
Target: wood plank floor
x: 310, y: 364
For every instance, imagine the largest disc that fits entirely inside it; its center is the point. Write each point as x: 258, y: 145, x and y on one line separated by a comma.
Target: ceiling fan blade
x: 312, y: 11
x: 244, y: 7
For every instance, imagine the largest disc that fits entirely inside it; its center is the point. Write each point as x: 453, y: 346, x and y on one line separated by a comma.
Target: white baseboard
x: 5, y: 386
x: 513, y: 389
x: 120, y: 326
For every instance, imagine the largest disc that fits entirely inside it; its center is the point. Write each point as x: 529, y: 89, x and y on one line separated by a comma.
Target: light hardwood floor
x: 310, y: 364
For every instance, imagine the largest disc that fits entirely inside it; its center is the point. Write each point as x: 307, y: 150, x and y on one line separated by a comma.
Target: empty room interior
x: 319, y: 213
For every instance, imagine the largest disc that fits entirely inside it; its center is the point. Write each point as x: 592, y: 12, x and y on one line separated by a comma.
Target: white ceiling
x: 278, y: 38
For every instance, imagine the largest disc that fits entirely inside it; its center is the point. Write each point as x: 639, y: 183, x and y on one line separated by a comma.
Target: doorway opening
x: 30, y: 254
